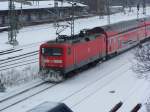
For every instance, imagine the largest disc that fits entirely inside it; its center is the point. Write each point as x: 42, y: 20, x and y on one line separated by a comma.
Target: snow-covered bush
x: 142, y: 55
x: 142, y: 60
x: 19, y: 76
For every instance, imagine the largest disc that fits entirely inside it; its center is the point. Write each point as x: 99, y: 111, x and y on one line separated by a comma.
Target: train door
x: 109, y: 46
x: 112, y: 43
x: 74, y: 55
x: 102, y: 46
x: 119, y: 43
x: 104, y: 43
x: 115, y: 44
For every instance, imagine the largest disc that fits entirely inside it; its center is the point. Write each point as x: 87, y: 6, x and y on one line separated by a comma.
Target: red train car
x: 68, y: 53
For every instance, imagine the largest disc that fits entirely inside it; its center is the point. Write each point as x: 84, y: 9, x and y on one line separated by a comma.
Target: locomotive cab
x: 69, y: 53
x: 52, y: 62
x: 52, y: 57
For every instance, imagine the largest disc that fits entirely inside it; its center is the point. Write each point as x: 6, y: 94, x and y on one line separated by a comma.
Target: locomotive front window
x: 52, y: 51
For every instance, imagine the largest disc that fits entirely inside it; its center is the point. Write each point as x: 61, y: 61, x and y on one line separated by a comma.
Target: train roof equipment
x: 84, y: 35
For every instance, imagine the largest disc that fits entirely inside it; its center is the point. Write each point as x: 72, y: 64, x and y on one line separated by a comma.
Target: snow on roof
x: 44, y: 107
x: 36, y: 5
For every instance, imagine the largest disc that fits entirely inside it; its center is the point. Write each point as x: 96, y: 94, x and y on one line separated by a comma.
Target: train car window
x: 52, y: 51
x: 69, y: 51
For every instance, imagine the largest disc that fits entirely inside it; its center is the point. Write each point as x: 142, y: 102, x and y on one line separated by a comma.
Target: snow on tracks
x: 12, y: 100
x: 20, y: 60
x: 79, y: 91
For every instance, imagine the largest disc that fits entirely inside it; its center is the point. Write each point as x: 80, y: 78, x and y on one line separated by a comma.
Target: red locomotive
x: 68, y: 53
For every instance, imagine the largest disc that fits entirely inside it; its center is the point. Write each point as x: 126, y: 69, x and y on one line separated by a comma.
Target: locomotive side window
x: 52, y: 51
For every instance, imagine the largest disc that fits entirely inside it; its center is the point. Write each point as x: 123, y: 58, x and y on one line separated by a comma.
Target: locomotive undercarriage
x: 51, y: 75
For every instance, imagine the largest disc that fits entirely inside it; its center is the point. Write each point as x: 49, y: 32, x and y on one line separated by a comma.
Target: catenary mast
x: 13, y: 22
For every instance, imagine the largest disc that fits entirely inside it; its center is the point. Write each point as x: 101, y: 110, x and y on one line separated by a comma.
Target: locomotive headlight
x: 58, y: 61
x: 53, y: 61
x: 46, y: 61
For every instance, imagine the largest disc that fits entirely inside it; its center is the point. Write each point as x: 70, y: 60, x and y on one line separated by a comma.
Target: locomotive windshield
x: 52, y: 51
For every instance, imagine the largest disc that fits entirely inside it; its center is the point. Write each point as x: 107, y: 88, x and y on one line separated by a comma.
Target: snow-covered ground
x: 90, y: 90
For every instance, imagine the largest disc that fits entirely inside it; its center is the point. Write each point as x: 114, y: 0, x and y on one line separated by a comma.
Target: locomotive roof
x: 84, y: 35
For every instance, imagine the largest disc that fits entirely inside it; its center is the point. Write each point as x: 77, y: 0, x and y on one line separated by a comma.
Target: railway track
x: 19, y: 60
x: 9, y: 51
x: 18, y: 57
x: 18, y: 65
x: 24, y: 95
